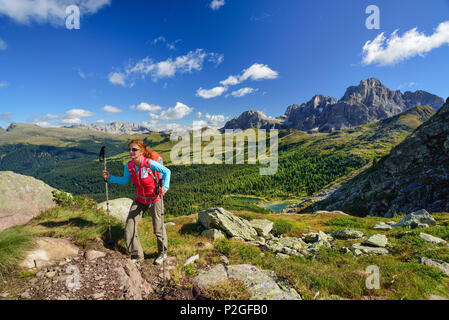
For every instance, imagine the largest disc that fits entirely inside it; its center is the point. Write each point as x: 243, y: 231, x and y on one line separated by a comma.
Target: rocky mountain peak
x: 413, y: 176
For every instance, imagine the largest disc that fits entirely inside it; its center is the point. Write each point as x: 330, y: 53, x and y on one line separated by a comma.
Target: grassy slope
x: 330, y: 273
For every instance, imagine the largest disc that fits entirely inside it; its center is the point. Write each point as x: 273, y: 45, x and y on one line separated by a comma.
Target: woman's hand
x: 163, y: 191
x: 106, y: 174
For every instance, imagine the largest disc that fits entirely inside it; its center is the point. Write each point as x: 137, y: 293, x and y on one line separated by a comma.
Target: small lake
x: 278, y: 207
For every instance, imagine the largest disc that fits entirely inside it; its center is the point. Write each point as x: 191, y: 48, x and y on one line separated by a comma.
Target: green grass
x: 330, y: 272
x: 13, y: 243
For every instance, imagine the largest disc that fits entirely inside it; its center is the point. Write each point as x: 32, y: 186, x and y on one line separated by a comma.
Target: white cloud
x: 143, y: 106
x: 72, y: 116
x: 212, y: 93
x: 192, y: 61
x: 100, y: 121
x: 383, y: 51
x: 243, y: 92
x: 46, y: 11
x: 199, y: 114
x: 258, y: 72
x: 199, y: 124
x: 117, y: 78
x: 111, y: 109
x: 172, y: 114
x: 3, y: 84
x: 3, y: 45
x: 230, y: 81
x: 216, y: 120
x: 78, y: 113
x: 217, y: 4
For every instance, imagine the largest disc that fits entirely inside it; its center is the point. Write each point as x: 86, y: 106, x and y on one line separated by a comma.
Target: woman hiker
x: 146, y: 182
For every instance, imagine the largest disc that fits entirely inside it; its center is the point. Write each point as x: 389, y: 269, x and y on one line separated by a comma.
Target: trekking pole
x: 103, y: 158
x: 163, y: 237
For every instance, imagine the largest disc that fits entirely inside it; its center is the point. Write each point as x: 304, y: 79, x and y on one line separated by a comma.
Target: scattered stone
x: 192, y: 259
x: 443, y: 266
x: 418, y: 219
x: 93, y: 254
x: 262, y: 226
x: 207, y: 278
x: 262, y: 284
x: 228, y: 222
x: 169, y: 224
x: 347, y: 233
x: 319, y: 236
x: 50, y: 274
x: 224, y: 259
x: 377, y: 240
x: 25, y: 295
x: 4, y: 295
x: 213, y: 234
x: 382, y: 226
x: 432, y: 239
x: 282, y: 256
x: 358, y: 250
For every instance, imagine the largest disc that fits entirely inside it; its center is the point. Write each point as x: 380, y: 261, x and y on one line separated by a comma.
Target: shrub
x: 282, y: 226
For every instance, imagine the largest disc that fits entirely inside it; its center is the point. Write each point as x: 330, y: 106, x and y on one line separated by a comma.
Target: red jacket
x: 145, y: 181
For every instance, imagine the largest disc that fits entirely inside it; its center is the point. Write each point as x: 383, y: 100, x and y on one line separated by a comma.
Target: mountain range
x: 368, y: 102
x: 115, y: 127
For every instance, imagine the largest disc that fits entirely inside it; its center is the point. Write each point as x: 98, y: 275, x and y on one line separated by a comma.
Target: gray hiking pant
x: 135, y: 215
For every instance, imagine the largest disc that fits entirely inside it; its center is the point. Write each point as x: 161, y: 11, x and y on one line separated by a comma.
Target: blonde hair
x: 142, y: 146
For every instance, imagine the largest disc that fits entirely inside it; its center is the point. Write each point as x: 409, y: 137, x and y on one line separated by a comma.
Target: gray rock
x: 25, y: 295
x: 377, y: 240
x: 262, y: 284
x: 118, y: 208
x: 191, y: 259
x: 417, y: 219
x: 213, y: 234
x: 169, y: 224
x: 317, y: 237
x: 347, y: 233
x: 262, y: 226
x: 358, y: 249
x: 22, y: 198
x: 382, y: 226
x: 228, y: 222
x: 432, y: 239
x: 283, y: 244
x: 207, y: 278
x: 443, y: 266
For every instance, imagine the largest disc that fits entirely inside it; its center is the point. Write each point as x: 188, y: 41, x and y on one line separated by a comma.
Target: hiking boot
x: 160, y: 259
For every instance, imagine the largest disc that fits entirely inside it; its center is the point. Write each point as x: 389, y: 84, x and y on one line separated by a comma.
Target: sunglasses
x: 134, y: 149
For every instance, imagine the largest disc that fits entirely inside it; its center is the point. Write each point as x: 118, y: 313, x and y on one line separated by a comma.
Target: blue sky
x: 164, y: 62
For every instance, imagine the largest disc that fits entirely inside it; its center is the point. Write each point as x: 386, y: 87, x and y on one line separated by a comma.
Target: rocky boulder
x: 432, y: 239
x: 262, y: 226
x: 118, y: 208
x: 347, y: 233
x: 443, y: 266
x: 416, y: 219
x: 377, y: 240
x: 261, y: 284
x: 22, y: 198
x: 232, y: 225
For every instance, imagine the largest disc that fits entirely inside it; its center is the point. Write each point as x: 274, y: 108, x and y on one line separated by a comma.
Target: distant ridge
x: 368, y: 102
x: 115, y: 127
